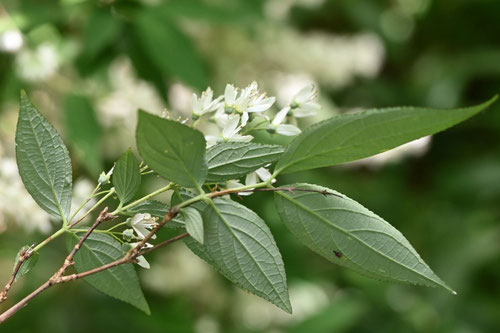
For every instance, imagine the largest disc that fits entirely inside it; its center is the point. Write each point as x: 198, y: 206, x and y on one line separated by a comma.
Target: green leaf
x: 84, y: 132
x: 173, y: 150
x: 120, y: 282
x: 169, y: 48
x: 101, y: 29
x: 194, y: 223
x: 126, y: 177
x: 28, y: 264
x: 236, y: 159
x: 350, y: 137
x: 158, y: 209
x: 241, y: 247
x: 346, y: 233
x: 43, y: 161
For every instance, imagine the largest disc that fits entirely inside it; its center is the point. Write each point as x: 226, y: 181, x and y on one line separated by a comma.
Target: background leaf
x: 126, y: 177
x: 240, y: 245
x: 84, y: 131
x: 170, y: 49
x: 343, y: 231
x: 43, y: 161
x: 120, y: 282
x: 173, y: 150
x: 350, y: 137
x: 236, y: 159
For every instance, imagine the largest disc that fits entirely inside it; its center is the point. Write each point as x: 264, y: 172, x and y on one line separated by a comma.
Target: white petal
x: 231, y: 126
x: 288, y: 130
x: 230, y: 94
x: 244, y: 119
x: 143, y: 262
x: 241, y: 138
x: 306, y: 110
x: 211, y: 140
x: 233, y: 184
x: 251, y: 179
x: 306, y: 94
x: 262, y: 105
x: 263, y: 174
x: 280, y: 116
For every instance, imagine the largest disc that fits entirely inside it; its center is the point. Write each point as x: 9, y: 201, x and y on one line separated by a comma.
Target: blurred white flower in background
x: 82, y: 189
x: 38, y: 64
x: 180, y: 97
x: 414, y: 148
x: 11, y: 41
x: 334, y: 60
x: 119, y: 107
x: 16, y: 205
x: 279, y: 9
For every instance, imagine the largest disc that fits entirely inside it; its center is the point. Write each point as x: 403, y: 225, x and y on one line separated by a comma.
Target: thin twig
x: 23, y: 257
x: 273, y: 189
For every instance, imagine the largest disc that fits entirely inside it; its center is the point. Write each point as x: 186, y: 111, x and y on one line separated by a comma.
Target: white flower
x: 141, y: 260
x: 105, y: 177
x: 303, y: 104
x: 248, y: 100
x: 262, y: 173
x: 205, y: 104
x: 276, y: 125
x: 142, y: 224
x: 231, y: 129
x: 38, y: 64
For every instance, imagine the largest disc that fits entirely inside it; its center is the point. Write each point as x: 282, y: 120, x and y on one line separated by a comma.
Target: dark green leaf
x: 346, y: 233
x: 101, y: 29
x: 127, y: 177
x: 173, y: 150
x: 84, y: 132
x: 43, y: 161
x: 350, y: 137
x: 236, y: 159
x: 120, y: 282
x: 170, y: 49
x: 241, y: 247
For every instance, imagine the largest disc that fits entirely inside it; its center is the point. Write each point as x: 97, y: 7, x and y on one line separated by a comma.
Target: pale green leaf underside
x: 120, y: 282
x: 241, y: 247
x: 194, y: 223
x: 28, y: 265
x: 350, y: 137
x: 43, y: 161
x: 367, y: 243
x: 126, y: 177
x: 236, y: 159
x: 173, y: 150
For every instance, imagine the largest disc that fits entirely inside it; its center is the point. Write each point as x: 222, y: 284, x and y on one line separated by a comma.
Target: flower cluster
x: 234, y: 111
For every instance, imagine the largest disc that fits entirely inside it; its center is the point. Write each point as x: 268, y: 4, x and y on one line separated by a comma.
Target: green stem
x: 118, y: 225
x: 49, y: 239
x: 138, y: 201
x: 85, y: 202
x: 111, y: 192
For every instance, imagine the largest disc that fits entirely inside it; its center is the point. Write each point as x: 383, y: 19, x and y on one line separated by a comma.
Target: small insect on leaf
x: 338, y: 254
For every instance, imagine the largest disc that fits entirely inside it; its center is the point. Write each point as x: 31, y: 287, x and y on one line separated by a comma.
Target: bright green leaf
x: 43, y: 161
x: 120, y: 282
x: 84, y: 132
x: 236, y: 159
x: 194, y: 223
x: 241, y: 247
x: 173, y: 150
x: 169, y: 48
x: 350, y: 137
x: 127, y: 177
x: 346, y: 233
x: 28, y: 264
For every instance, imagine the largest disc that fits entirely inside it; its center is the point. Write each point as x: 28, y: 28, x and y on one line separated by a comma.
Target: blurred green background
x: 89, y: 65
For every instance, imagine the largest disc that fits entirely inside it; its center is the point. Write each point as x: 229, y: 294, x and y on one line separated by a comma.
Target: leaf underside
x: 127, y: 177
x: 241, y: 247
x: 43, y: 161
x: 348, y: 234
x: 120, y: 282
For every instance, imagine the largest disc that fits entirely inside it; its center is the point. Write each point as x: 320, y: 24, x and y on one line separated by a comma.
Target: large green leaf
x: 169, y: 48
x: 120, y: 282
x: 43, y: 161
x: 84, y: 132
x: 346, y: 233
x: 194, y: 223
x: 350, y: 137
x: 173, y: 150
x: 241, y: 247
x: 127, y: 177
x: 236, y: 159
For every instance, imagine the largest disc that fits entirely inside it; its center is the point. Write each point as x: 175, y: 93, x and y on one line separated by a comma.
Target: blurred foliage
x: 437, y: 53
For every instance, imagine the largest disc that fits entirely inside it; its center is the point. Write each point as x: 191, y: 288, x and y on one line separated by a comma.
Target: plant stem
x: 111, y: 192
x: 147, y: 197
